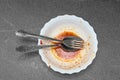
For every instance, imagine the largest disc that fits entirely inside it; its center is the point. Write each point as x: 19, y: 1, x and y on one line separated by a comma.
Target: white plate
x: 77, y: 25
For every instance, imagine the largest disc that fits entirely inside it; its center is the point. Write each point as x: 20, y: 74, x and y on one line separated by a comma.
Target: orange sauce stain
x: 88, y: 44
x: 41, y: 42
x: 61, y: 54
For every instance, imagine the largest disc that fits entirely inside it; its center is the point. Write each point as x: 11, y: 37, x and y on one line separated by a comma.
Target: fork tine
x: 80, y: 45
x: 74, y: 43
x: 77, y: 41
x: 76, y: 47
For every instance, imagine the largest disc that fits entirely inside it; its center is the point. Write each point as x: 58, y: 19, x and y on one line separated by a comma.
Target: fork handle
x: 22, y: 33
x: 27, y: 48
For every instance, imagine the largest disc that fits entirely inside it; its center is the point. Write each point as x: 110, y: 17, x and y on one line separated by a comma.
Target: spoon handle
x: 22, y: 33
x: 28, y: 48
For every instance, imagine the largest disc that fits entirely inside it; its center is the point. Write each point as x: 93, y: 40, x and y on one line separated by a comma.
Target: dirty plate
x: 68, y: 62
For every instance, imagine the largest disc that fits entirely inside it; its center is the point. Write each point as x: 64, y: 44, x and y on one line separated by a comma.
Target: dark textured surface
x: 31, y: 15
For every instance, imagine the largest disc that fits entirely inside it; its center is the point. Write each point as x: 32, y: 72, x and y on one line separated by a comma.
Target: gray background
x: 31, y: 15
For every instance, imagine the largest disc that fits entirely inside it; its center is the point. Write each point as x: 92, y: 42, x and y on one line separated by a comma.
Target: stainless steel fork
x: 70, y: 43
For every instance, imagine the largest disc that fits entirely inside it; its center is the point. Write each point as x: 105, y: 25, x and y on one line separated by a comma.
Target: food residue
x: 62, y: 54
x: 41, y: 42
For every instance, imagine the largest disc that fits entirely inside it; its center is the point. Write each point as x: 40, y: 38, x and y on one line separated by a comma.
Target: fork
x: 70, y: 43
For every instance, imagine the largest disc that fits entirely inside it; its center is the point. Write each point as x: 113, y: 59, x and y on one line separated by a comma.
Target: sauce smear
x: 60, y: 53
